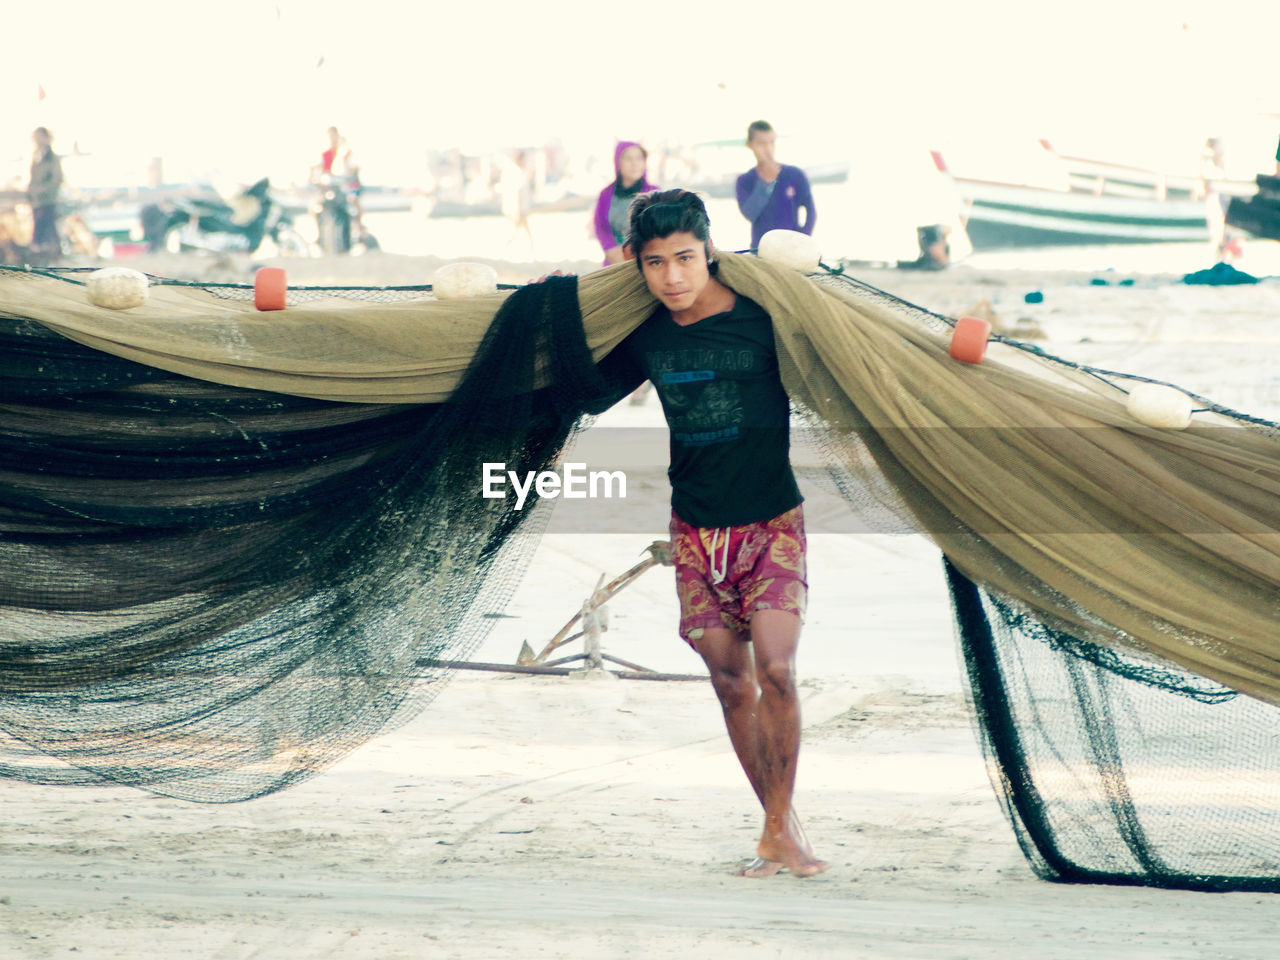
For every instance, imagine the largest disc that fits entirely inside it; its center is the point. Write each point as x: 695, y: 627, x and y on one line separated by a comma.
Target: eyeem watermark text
x: 575, y: 482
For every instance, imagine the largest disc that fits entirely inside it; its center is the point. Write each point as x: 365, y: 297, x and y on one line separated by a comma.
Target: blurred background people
x: 630, y: 162
x: 339, y: 208
x: 772, y: 194
x: 46, y: 182
x: 515, y: 190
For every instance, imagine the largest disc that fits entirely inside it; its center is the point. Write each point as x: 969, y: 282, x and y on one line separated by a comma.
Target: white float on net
x: 459, y: 281
x: 117, y: 288
x: 790, y: 248
x: 1158, y: 405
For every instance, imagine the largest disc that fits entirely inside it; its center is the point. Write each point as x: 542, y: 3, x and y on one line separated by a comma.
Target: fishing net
x: 231, y: 539
x: 212, y: 592
x: 1115, y: 769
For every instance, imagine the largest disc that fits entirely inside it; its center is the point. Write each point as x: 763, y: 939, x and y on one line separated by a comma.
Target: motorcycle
x: 332, y: 209
x: 338, y: 227
x: 217, y: 226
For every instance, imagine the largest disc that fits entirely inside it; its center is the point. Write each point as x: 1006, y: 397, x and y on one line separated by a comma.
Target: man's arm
x: 753, y: 195
x: 805, y: 200
x: 621, y: 374
x: 619, y: 370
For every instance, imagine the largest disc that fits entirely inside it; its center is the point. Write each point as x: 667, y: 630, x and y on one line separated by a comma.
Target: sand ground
x: 593, y: 818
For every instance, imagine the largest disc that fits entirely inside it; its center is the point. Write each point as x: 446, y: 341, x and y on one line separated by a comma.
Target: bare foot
x: 783, y: 849
x: 759, y: 867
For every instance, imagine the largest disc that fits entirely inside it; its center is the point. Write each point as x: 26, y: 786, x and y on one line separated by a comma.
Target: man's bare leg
x: 732, y: 663
x: 774, y: 636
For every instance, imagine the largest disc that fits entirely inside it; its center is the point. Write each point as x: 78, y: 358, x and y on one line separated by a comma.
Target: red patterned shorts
x: 726, y: 574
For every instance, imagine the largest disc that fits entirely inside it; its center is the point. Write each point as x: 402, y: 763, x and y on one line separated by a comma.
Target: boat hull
x: 1003, y: 216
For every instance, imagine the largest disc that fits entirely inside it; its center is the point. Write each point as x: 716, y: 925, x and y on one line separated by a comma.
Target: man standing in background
x: 772, y: 194
x: 46, y: 181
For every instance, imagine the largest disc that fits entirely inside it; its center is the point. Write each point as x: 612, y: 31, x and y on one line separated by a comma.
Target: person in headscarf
x: 611, y: 224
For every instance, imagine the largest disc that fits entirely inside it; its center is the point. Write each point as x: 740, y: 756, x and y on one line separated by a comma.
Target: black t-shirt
x: 727, y: 411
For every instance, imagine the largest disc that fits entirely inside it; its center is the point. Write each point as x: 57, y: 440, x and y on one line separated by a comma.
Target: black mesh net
x: 213, y: 592
x: 1118, y: 770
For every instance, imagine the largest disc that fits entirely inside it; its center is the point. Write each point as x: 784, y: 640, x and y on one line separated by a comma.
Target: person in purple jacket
x: 772, y: 194
x: 611, y: 224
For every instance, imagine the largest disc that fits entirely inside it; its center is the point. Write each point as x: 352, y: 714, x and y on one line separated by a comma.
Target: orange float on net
x: 269, y: 288
x: 969, y: 339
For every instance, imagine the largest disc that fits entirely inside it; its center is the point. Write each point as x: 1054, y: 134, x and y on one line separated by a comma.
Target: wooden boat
x: 1096, y: 203
x: 1001, y: 215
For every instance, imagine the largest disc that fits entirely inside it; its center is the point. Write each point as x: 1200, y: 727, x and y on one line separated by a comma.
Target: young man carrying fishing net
x: 737, y: 526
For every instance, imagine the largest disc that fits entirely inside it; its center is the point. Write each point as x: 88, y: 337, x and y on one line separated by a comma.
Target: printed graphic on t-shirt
x: 704, y: 406
x: 703, y: 412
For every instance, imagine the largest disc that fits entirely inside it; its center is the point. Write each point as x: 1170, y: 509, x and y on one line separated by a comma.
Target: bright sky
x: 241, y: 86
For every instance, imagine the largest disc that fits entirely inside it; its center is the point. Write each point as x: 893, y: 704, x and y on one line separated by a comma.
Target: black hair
x: 664, y: 212
x: 758, y: 126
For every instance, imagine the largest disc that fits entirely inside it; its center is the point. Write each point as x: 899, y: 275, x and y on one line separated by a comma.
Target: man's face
x: 675, y: 268
x: 761, y: 144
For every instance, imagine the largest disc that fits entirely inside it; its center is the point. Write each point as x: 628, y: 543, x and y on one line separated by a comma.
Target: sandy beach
x: 580, y: 817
